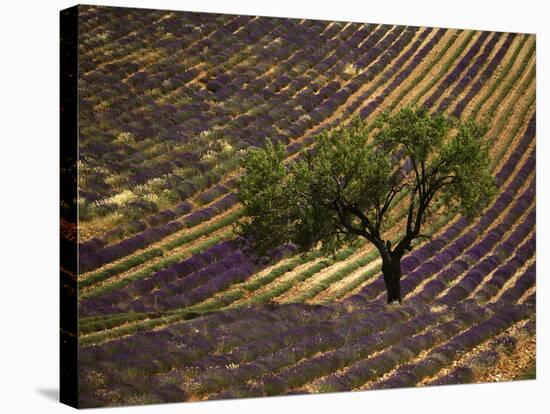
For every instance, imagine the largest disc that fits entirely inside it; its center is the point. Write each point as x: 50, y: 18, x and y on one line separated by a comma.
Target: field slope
x: 170, y: 308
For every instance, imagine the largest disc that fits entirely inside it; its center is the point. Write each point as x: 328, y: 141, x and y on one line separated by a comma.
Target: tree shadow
x: 50, y: 393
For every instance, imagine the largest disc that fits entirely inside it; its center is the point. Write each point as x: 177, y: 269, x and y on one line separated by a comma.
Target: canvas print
x: 257, y: 206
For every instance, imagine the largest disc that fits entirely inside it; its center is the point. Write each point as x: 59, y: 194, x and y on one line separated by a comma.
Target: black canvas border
x: 68, y: 206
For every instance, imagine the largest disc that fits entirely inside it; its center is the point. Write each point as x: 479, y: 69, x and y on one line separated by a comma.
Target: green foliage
x: 344, y: 187
x: 449, y: 156
x: 265, y: 194
x: 297, y: 202
x: 466, y: 158
x: 415, y: 130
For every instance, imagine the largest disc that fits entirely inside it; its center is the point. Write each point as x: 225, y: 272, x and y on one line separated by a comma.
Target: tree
x: 344, y: 189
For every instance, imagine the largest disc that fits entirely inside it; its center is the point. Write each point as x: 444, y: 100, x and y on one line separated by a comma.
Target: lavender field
x: 170, y: 306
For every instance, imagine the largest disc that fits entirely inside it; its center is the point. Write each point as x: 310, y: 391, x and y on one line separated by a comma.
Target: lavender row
x: 410, y: 374
x: 95, y: 259
x: 181, y: 344
x: 125, y: 24
x: 402, y: 75
x: 485, y: 75
x: 208, y: 28
x: 518, y: 150
x: 205, y: 96
x: 373, y: 368
x: 235, y: 85
x: 466, y: 371
x: 114, y: 116
x: 504, y: 273
x: 423, y: 253
x: 185, y: 282
x: 478, y: 273
x: 196, y: 287
x: 228, y: 201
x: 192, y: 155
x: 419, y: 259
x: 284, y: 108
x: 478, y: 251
x: 471, y: 73
x: 523, y: 283
x: 511, y: 164
x: 310, y: 369
x: 457, y: 71
x: 333, y: 340
x: 277, y: 340
x: 240, y: 126
x: 362, y: 347
x: 120, y: 26
x: 156, y: 219
x: 192, y: 346
x: 252, y: 132
x: 108, y: 301
x: 240, y: 325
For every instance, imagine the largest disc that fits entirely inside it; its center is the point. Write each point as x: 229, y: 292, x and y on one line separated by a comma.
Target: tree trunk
x: 391, y: 269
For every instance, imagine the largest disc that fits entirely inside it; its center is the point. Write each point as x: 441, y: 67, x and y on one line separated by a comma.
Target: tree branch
x: 413, y: 232
x: 440, y: 182
x: 381, y: 211
x: 353, y: 209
